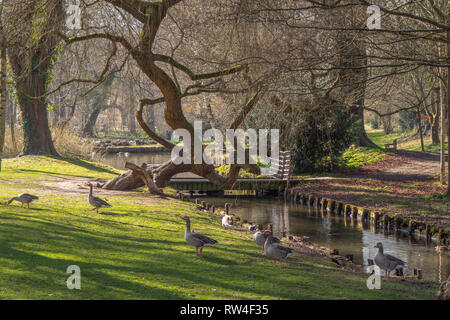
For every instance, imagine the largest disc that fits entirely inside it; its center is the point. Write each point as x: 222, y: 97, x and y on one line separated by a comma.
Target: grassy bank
x: 136, y: 248
x: 405, y: 142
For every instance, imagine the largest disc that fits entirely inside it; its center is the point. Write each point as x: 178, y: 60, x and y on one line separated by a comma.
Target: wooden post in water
x: 399, y: 272
x: 339, y: 208
x: 324, y: 204
x: 227, y: 208
x: 355, y: 212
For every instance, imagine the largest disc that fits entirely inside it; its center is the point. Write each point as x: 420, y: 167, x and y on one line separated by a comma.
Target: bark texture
x: 3, y: 92
x: 31, y: 63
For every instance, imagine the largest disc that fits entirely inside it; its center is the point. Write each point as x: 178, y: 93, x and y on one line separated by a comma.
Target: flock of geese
x: 96, y: 202
x: 270, y: 245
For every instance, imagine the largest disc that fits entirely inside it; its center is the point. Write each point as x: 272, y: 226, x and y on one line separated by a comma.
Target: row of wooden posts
x: 202, y: 204
x: 297, y: 197
x: 379, y: 219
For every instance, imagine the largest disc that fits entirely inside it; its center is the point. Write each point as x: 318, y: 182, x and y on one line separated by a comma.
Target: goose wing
x: 278, y: 251
x: 395, y: 260
x: 101, y: 202
x: 203, y: 238
x: 28, y: 196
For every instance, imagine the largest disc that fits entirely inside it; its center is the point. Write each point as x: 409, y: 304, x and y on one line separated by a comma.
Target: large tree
x: 3, y: 92
x: 33, y: 45
x: 156, y: 67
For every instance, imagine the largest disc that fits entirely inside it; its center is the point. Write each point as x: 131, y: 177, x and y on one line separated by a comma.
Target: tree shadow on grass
x: 87, y: 165
x: 109, y: 213
x: 56, y: 174
x: 77, y: 162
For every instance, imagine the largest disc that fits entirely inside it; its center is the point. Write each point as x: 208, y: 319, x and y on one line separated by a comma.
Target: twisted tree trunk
x: 151, y: 15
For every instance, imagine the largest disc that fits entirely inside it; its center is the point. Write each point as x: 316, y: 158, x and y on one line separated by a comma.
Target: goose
x: 275, y: 251
x: 260, y: 238
x: 386, y: 261
x: 440, y: 249
x: 24, y: 198
x: 227, y: 221
x: 195, y: 239
x: 96, y: 202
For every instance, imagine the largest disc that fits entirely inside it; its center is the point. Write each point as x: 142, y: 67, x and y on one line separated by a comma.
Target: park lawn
x: 380, y: 139
x: 136, y: 250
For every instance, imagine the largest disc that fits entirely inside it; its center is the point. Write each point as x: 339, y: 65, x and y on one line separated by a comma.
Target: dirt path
x: 404, y: 166
x: 404, y: 183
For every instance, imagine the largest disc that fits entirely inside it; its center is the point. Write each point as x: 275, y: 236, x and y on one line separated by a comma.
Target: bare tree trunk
x: 12, y: 120
x: 36, y: 131
x: 131, y: 119
x: 3, y: 93
x: 88, y: 129
x: 435, y: 130
x: 420, y: 130
x: 31, y: 66
x: 448, y: 102
x: 443, y: 133
x: 363, y: 138
x: 387, y: 124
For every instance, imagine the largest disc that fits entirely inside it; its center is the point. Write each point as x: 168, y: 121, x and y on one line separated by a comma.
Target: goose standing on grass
x: 24, y: 198
x: 96, y: 202
x: 227, y: 221
x: 195, y: 239
x: 386, y: 261
x: 274, y: 250
x: 260, y: 238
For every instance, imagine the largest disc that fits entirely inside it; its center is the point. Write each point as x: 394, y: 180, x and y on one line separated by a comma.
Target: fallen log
x: 144, y: 175
x: 130, y: 179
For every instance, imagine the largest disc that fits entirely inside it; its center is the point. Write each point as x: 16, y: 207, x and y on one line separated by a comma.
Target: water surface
x: 346, y: 235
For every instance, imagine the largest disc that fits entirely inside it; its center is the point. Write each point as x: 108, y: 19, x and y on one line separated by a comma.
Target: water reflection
x: 347, y: 235
x: 117, y: 160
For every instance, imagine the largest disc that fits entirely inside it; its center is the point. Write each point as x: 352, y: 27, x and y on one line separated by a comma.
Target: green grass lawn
x: 136, y: 250
x: 355, y: 158
x: 380, y: 139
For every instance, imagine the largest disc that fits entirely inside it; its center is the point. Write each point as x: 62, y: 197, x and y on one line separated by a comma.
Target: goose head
x: 267, y: 234
x: 185, y: 218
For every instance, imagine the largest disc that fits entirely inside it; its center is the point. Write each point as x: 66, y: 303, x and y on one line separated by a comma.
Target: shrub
x: 68, y: 143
